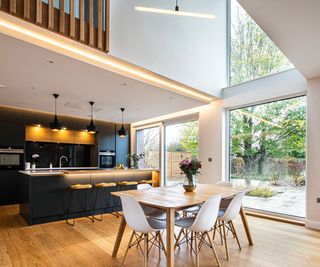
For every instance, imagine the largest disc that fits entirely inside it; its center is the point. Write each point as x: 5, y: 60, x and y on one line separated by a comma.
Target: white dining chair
x: 224, y: 183
x: 225, y: 220
x: 201, y: 224
x: 139, y: 223
x: 151, y: 212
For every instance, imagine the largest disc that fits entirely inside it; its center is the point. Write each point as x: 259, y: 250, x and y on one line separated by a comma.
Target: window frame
x: 227, y: 126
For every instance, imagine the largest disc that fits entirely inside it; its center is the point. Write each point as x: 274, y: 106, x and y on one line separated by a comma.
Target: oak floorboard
x: 90, y: 244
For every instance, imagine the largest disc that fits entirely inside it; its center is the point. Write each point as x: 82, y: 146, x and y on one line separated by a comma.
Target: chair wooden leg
x: 196, y: 248
x: 225, y: 240
x: 162, y: 244
x: 159, y: 243
x: 220, y: 230
x: 214, y: 230
x: 235, y: 234
x: 128, y: 247
x: 178, y: 238
x: 213, y: 250
x: 145, y: 250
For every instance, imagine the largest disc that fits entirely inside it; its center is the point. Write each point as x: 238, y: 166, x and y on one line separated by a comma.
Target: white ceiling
x: 293, y: 25
x: 30, y: 79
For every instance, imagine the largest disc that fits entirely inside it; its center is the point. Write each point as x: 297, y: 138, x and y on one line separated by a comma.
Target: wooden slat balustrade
x: 89, y: 25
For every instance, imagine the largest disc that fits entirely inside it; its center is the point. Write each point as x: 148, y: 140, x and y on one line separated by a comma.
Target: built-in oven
x: 11, y: 158
x: 107, y: 159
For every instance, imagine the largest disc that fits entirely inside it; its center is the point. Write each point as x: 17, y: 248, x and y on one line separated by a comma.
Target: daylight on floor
x: 159, y: 133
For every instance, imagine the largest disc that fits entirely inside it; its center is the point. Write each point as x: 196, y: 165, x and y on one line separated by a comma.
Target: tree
x: 253, y: 54
x: 190, y: 138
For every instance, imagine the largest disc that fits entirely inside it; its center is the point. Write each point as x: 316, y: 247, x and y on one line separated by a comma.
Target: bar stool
x: 100, y: 187
x: 87, y: 191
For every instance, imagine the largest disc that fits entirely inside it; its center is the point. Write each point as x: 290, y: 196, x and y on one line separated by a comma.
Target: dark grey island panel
x: 46, y: 196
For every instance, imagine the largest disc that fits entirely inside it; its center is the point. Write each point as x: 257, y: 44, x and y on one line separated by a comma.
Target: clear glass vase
x: 190, y: 183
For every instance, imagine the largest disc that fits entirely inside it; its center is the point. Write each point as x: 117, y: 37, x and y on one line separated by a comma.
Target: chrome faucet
x: 60, y: 160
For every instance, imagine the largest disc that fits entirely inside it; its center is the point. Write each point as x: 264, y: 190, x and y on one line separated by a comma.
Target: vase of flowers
x: 191, y: 169
x: 135, y: 158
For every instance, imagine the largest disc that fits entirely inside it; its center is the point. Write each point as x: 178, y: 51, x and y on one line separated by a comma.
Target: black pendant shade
x: 122, y: 132
x: 91, y: 128
x: 55, y: 125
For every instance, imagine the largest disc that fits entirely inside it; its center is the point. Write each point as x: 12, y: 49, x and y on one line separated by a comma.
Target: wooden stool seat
x: 146, y: 182
x: 100, y: 185
x: 80, y: 186
x: 128, y: 183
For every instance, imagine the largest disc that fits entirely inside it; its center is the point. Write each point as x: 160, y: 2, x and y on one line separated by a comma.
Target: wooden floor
x: 90, y: 244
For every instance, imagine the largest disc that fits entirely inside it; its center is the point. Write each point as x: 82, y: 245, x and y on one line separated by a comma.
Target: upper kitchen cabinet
x: 106, y: 136
x: 12, y: 127
x: 122, y: 145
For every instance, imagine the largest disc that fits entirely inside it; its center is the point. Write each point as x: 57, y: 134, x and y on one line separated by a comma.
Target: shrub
x: 263, y: 192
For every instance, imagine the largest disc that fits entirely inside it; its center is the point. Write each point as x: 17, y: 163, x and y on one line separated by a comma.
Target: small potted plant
x: 135, y: 158
x: 191, y: 169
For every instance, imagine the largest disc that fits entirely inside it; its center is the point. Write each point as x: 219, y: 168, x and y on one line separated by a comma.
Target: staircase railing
x: 86, y: 21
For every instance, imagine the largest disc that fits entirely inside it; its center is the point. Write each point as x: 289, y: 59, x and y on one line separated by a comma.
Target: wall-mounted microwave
x: 11, y: 158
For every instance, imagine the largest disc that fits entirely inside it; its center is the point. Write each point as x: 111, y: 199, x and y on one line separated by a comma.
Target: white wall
x: 313, y: 154
x: 186, y: 49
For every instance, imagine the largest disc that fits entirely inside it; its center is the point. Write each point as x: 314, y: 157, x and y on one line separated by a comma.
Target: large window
x: 268, y: 155
x: 252, y: 53
x: 148, y: 142
x: 181, y: 142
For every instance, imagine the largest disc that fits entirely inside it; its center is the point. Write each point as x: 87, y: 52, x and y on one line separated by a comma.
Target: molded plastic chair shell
x: 223, y: 183
x: 134, y: 215
x: 144, y: 186
x: 233, y: 208
x: 207, y: 215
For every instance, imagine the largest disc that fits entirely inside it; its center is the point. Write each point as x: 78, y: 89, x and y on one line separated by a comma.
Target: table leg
x: 246, y: 225
x: 170, y: 237
x: 122, y: 227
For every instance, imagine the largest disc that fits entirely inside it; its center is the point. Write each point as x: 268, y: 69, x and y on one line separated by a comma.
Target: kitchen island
x: 46, y: 194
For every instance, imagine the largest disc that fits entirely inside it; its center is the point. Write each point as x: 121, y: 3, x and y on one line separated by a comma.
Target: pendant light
x: 122, y: 132
x: 91, y: 128
x: 55, y: 125
x: 176, y: 11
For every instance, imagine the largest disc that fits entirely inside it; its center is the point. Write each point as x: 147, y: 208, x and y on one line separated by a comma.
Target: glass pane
x: 268, y: 155
x: 148, y: 142
x: 253, y: 54
x: 182, y: 142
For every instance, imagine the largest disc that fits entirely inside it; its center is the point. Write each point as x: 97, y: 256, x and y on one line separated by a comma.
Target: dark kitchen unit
x: 73, y: 143
x: 77, y: 155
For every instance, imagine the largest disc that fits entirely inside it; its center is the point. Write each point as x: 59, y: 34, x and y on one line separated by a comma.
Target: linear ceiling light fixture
x: 105, y: 61
x: 176, y: 11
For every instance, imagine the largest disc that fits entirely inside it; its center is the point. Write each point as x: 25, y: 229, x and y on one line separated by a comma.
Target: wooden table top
x: 175, y: 197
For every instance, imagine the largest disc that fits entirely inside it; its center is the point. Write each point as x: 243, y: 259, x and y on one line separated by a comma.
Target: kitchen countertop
x: 71, y: 170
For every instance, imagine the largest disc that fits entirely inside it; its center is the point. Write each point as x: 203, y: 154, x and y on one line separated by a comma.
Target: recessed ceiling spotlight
x: 51, y: 61
x: 124, y: 84
x: 136, y: 109
x: 2, y: 86
x: 170, y: 97
x: 33, y: 88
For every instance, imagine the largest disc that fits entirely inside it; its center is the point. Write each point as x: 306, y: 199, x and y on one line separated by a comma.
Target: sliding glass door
x: 148, y: 142
x: 181, y: 142
x: 268, y: 155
